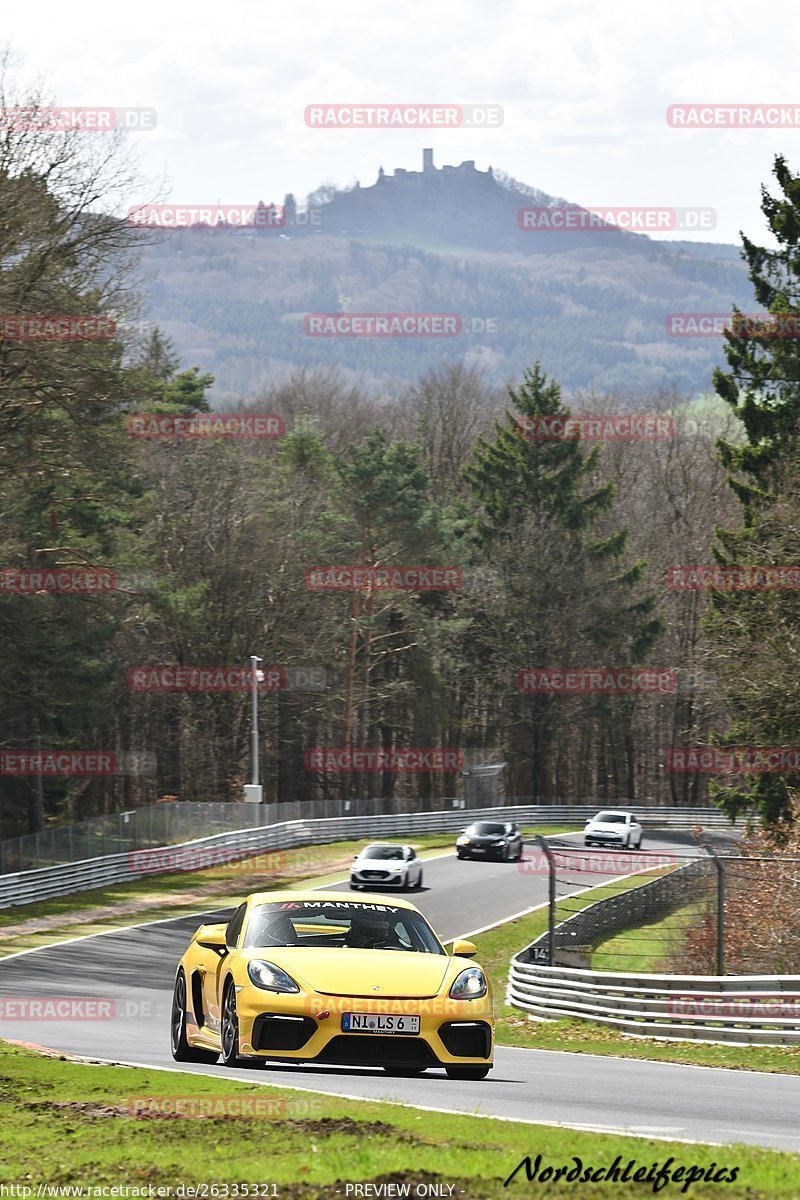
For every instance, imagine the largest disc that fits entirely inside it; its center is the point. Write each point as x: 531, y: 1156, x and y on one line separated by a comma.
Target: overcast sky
x: 584, y: 88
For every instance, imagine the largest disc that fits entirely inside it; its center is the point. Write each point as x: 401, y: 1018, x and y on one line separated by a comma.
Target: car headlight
x: 462, y: 841
x: 469, y: 985
x: 502, y: 842
x: 269, y: 977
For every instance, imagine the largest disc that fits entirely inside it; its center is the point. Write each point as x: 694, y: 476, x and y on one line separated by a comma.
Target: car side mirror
x: 355, y: 856
x: 464, y: 949
x: 212, y: 937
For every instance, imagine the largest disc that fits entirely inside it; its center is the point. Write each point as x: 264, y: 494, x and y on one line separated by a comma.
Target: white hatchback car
x: 385, y: 864
x: 613, y: 828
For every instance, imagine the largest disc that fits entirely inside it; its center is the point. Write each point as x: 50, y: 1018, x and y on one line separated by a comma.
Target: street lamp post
x: 253, y: 791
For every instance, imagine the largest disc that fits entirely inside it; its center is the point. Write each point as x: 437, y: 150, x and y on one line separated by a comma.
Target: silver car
x: 384, y: 865
x: 612, y: 827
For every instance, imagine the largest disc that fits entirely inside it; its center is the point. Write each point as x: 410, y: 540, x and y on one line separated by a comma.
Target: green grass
x: 650, y: 948
x: 515, y: 1028
x: 67, y: 1123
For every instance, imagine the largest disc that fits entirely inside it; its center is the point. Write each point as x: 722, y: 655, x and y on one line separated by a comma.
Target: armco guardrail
x: 741, y: 1008
x: 26, y: 887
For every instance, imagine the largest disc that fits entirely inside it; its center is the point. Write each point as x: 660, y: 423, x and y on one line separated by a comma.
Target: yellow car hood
x: 344, y: 971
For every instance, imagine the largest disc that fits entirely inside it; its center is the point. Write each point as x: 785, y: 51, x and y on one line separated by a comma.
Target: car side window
x: 410, y: 853
x: 235, y: 927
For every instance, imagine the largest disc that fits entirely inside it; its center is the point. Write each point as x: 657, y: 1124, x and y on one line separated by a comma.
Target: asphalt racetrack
x: 136, y: 968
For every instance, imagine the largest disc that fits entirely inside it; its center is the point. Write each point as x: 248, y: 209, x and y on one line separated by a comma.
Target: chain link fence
x: 180, y: 821
x: 707, y: 909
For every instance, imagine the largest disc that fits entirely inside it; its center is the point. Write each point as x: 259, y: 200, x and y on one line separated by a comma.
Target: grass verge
x: 72, y: 1124
x: 515, y: 1028
x: 649, y: 948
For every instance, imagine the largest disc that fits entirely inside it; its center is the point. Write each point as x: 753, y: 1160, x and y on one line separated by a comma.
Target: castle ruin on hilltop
x: 429, y: 174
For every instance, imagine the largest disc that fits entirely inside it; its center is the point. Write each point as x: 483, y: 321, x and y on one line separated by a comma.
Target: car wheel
x: 406, y: 1072
x: 356, y: 887
x: 419, y: 880
x: 506, y: 853
x: 229, y: 1029
x: 182, y: 1051
x: 467, y: 1072
x: 639, y: 843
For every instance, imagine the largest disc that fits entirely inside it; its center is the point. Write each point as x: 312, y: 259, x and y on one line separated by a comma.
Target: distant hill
x: 590, y: 304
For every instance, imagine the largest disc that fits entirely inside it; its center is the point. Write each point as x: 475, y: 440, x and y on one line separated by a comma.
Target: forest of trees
x: 564, y: 549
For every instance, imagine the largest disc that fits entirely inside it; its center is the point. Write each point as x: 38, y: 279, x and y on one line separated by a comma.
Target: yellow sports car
x: 319, y: 977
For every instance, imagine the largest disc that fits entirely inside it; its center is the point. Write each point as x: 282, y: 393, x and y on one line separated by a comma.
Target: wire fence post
x: 720, y: 908
x: 551, y: 903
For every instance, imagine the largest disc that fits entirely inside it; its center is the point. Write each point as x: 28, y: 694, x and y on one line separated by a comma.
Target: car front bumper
x: 308, y: 1028
x: 398, y: 881
x: 482, y: 851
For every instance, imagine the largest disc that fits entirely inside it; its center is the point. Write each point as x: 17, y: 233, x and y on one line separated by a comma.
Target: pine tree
x: 762, y: 387
x: 569, y: 596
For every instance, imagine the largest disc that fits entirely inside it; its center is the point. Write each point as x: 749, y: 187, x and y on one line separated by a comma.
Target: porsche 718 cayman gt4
x: 320, y: 977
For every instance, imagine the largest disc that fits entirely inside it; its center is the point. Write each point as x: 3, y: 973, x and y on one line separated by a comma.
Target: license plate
x: 478, y: 850
x: 372, y: 1023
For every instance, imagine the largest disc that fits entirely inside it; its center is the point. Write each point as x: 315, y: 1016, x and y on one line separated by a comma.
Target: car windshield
x: 340, y: 924
x: 611, y: 818
x: 486, y: 829
x: 382, y: 852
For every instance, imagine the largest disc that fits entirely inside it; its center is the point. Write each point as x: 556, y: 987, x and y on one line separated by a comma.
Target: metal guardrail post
x: 551, y: 899
x: 720, y: 907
